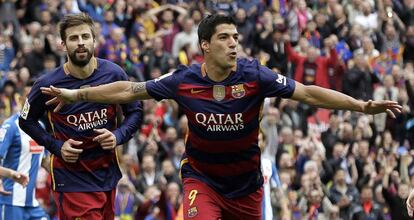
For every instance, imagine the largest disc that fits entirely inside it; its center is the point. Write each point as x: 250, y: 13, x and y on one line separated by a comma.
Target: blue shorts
x: 8, y: 212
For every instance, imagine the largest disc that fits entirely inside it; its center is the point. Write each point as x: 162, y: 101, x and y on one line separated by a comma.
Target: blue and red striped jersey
x: 223, y: 119
x: 96, y: 169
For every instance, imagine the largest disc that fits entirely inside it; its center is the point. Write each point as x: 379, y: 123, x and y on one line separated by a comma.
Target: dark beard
x: 80, y: 63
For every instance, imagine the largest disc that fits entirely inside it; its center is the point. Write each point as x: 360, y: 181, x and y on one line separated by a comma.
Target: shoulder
x: 193, y: 70
x: 108, y: 65
x: 244, y: 63
x: 50, y: 77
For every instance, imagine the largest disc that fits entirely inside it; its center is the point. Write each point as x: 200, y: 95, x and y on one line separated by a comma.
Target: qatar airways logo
x: 88, y: 120
x: 221, y: 122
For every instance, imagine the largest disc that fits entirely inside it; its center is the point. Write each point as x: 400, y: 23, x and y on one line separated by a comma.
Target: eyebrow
x: 227, y: 34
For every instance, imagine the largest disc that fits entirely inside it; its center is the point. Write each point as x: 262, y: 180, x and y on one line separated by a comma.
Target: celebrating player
x: 222, y: 99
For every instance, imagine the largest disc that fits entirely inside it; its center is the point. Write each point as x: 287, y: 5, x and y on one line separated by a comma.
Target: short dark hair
x: 72, y: 20
x: 207, y: 26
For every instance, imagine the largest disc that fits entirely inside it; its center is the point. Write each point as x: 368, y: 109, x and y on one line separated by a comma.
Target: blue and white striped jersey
x: 271, y: 181
x: 21, y: 153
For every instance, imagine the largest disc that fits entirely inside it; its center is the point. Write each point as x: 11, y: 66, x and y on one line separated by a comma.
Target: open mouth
x: 232, y: 54
x: 81, y: 51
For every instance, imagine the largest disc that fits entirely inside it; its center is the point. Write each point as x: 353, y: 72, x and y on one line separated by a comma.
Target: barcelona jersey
x: 97, y: 169
x: 223, y: 119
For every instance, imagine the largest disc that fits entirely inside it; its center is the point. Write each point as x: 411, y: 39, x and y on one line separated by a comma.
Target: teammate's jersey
x: 96, y: 169
x: 223, y: 120
x: 21, y: 153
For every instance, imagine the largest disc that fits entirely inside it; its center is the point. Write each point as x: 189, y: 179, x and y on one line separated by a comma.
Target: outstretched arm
x: 113, y: 93
x: 326, y: 98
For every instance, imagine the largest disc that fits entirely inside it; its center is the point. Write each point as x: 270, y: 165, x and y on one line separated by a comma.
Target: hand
x: 106, y: 138
x: 19, y: 178
x: 410, y: 203
x: 61, y: 96
x: 2, y: 191
x: 375, y: 107
x: 70, y: 154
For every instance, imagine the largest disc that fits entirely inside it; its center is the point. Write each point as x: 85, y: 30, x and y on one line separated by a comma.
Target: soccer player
x: 84, y: 164
x: 222, y: 99
x: 21, y: 153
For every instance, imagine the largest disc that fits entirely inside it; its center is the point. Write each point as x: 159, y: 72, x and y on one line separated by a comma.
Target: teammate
x: 84, y: 164
x: 222, y: 100
x: 19, y: 152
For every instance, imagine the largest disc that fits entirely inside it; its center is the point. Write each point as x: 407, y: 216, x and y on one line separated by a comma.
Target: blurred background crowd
x: 330, y: 164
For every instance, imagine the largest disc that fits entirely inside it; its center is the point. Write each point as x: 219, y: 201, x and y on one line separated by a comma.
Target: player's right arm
x: 33, y: 109
x: 119, y: 92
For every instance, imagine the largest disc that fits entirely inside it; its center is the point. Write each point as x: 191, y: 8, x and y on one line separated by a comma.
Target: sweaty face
x: 79, y: 44
x: 223, y: 46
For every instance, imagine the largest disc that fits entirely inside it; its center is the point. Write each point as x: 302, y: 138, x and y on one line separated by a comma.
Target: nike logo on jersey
x: 195, y: 91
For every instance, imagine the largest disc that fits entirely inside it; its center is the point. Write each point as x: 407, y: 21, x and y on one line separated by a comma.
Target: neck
x: 216, y: 73
x: 82, y: 72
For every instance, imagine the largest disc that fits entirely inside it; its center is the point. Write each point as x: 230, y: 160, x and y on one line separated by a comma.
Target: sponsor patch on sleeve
x: 25, y: 110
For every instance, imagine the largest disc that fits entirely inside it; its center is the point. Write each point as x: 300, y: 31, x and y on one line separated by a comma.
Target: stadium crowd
x: 329, y: 164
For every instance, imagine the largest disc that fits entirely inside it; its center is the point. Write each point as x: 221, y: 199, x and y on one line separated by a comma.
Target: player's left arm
x: 131, y: 123
x: 330, y: 99
x: 46, y: 163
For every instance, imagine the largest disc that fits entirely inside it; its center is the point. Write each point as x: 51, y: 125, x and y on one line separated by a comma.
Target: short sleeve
x: 164, y: 87
x: 273, y: 84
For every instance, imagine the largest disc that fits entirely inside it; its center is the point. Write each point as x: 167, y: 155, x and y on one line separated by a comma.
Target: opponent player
x: 222, y: 99
x: 84, y: 165
x: 19, y: 152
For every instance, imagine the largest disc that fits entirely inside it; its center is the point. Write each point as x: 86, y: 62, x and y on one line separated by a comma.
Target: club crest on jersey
x: 192, y: 212
x: 219, y: 92
x: 237, y: 91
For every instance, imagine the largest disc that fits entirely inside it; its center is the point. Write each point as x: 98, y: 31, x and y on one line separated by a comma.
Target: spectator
x: 342, y: 194
x: 312, y: 69
x: 367, y: 208
x: 359, y: 80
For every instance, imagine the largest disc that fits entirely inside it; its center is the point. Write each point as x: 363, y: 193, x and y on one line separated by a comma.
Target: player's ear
x: 205, y: 46
x: 63, y: 45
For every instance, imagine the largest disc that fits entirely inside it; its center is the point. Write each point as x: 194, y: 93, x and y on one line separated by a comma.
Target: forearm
x: 5, y: 172
x: 35, y: 131
x: 130, y: 124
x: 113, y: 93
x: 327, y: 98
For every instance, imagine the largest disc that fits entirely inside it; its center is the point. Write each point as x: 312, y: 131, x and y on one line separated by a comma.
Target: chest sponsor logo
x: 220, y: 122
x: 88, y: 120
x: 219, y: 92
x: 237, y: 91
x: 34, y: 148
